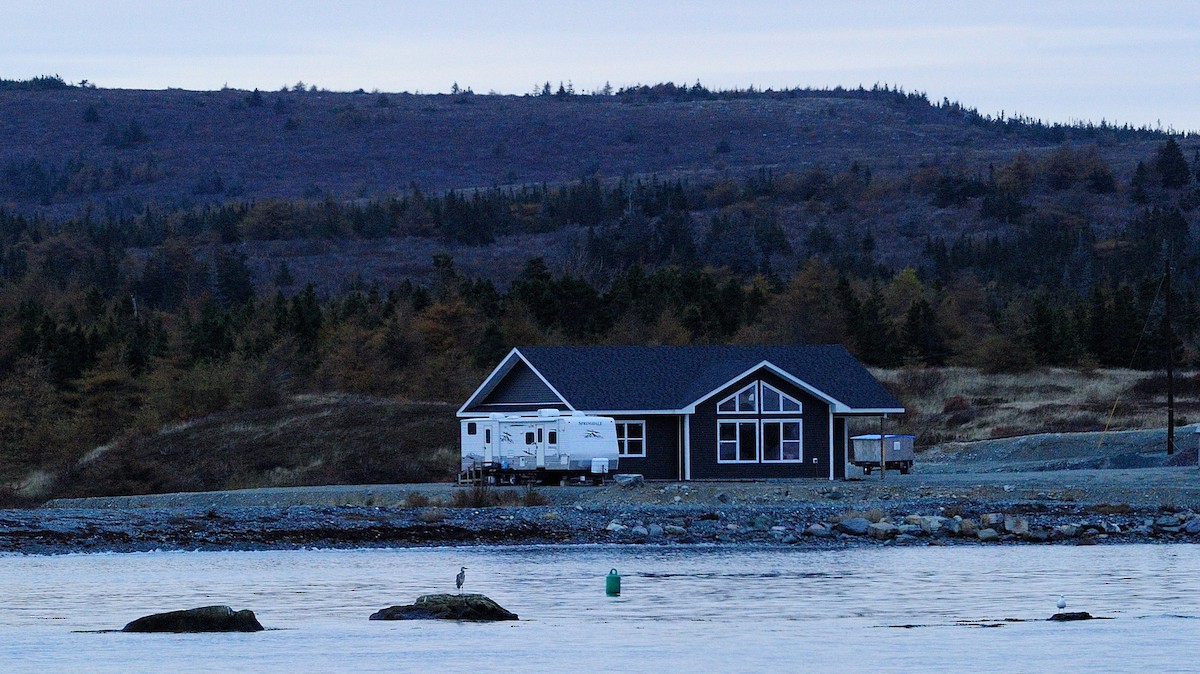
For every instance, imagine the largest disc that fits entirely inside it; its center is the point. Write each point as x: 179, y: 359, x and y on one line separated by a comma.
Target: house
x: 700, y: 412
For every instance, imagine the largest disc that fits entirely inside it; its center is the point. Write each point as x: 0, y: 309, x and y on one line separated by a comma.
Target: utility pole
x: 1169, y: 339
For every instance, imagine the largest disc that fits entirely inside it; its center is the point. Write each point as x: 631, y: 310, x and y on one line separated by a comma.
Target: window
x: 631, y: 438
x: 487, y: 435
x: 552, y: 437
x: 737, y: 441
x: 781, y: 441
x: 774, y: 400
x: 529, y: 437
x: 471, y: 428
x: 744, y: 400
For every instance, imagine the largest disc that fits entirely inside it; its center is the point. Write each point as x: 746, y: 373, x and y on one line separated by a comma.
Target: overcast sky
x: 1058, y: 60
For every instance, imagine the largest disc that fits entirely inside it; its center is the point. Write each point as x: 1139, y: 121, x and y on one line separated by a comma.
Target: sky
x: 1056, y: 60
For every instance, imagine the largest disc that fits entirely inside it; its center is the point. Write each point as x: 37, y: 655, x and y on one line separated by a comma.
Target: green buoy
x: 612, y: 584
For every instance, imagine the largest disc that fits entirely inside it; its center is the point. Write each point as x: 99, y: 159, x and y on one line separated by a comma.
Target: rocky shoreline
x: 830, y: 523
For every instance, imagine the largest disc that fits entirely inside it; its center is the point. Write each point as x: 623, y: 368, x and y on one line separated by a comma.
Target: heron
x: 460, y: 579
x: 1062, y: 602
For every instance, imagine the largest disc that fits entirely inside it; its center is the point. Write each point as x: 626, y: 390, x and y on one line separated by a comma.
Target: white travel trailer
x: 512, y: 448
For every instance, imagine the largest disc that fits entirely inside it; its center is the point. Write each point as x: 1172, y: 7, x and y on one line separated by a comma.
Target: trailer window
x: 553, y: 437
x: 487, y: 435
x: 539, y: 435
x: 631, y: 438
x: 529, y: 438
x: 471, y: 428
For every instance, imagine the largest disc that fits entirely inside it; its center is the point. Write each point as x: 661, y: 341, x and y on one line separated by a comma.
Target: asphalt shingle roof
x: 673, y: 377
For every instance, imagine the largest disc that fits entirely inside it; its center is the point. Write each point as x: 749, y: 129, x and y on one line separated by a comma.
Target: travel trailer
x: 527, y: 448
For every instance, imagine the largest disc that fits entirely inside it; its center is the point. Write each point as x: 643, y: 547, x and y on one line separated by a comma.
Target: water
x: 681, y: 610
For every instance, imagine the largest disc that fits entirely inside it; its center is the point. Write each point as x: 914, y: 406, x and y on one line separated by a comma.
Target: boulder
x: 988, y: 535
x: 640, y: 531
x: 818, y: 530
x: 629, y: 480
x: 991, y: 520
x: 1192, y: 526
x: 1016, y: 525
x: 1076, y: 615
x: 882, y: 530
x: 203, y: 619
x: 474, y: 607
x: 1066, y: 531
x: 932, y: 524
x: 967, y: 528
x: 855, y: 526
x: 654, y: 530
x: 674, y: 530
x: 615, y: 526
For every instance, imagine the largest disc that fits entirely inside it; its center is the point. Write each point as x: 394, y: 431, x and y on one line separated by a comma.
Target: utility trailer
x: 898, y: 452
x: 548, y: 446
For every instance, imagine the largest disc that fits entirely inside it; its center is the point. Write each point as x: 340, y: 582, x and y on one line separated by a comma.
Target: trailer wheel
x: 904, y: 469
x: 866, y: 470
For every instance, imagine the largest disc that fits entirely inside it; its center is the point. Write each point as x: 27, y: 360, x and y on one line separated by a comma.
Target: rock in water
x: 204, y: 619
x: 447, y: 607
x: 1064, y: 617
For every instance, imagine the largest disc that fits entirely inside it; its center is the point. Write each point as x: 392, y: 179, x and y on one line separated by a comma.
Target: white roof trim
x: 488, y: 380
x: 834, y: 403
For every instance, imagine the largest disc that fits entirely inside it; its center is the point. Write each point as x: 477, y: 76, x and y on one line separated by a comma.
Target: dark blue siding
x: 662, y: 448
x: 521, y: 386
x: 703, y: 434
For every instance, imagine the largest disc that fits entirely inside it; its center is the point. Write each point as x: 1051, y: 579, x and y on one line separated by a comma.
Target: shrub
x: 921, y: 381
x: 956, y: 404
x: 416, y: 500
x: 532, y: 497
x: 432, y: 515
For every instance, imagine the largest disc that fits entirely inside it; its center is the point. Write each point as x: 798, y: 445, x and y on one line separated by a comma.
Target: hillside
x: 170, y: 257
x: 178, y: 148
x: 310, y: 440
x: 116, y: 152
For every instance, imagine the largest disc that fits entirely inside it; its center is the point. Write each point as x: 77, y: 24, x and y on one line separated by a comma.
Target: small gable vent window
x: 745, y: 400
x: 774, y: 400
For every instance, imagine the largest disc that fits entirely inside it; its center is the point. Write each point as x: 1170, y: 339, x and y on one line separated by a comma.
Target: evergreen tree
x: 1172, y: 167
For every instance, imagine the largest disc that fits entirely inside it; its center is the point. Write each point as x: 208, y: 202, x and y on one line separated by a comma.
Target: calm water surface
x: 695, y: 610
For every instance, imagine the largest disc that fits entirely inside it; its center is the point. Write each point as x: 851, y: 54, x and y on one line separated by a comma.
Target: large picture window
x: 631, y: 438
x: 774, y: 400
x: 745, y: 400
x: 737, y: 441
x: 781, y: 441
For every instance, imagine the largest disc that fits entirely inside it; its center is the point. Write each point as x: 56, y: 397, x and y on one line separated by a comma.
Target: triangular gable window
x: 774, y: 400
x: 745, y: 400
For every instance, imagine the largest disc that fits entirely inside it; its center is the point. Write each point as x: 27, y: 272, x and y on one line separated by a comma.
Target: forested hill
x: 170, y: 254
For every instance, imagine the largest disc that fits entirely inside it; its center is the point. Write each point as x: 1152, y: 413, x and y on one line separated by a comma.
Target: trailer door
x: 489, y: 436
x: 541, y: 446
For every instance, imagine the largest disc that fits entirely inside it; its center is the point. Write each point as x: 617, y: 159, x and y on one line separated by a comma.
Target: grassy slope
x: 964, y: 404
x: 311, y: 440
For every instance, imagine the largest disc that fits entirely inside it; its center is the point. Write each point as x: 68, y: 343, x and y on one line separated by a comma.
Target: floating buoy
x: 612, y: 584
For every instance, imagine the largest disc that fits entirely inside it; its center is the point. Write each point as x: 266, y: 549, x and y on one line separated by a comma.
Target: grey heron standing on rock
x: 460, y: 579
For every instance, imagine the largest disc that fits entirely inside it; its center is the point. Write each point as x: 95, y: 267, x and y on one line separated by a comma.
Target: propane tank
x: 612, y: 584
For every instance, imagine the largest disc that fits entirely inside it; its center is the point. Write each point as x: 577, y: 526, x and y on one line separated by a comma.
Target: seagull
x: 462, y: 578
x: 1062, y: 601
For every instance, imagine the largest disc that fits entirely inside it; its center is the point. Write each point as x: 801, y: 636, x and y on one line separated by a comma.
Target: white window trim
x: 764, y: 386
x: 622, y: 444
x: 735, y: 397
x: 757, y: 440
x: 761, y: 435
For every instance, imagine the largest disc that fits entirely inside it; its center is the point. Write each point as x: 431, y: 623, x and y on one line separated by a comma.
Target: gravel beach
x: 1045, y: 489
